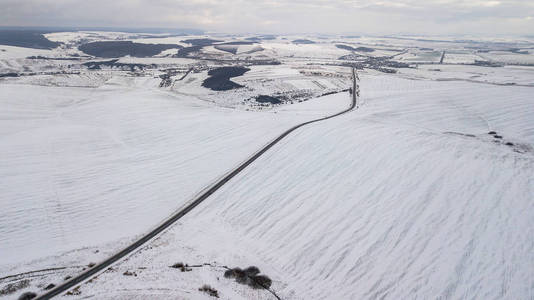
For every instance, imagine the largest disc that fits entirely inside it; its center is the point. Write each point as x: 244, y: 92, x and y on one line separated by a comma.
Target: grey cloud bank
x: 489, y: 17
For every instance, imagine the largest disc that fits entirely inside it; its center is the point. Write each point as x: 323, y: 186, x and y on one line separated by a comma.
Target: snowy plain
x: 84, y: 162
x: 407, y: 197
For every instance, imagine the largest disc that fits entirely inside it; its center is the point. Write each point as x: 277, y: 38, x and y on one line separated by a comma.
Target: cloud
x: 282, y: 16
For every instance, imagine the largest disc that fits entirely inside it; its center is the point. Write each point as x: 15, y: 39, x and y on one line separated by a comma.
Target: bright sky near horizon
x: 434, y: 17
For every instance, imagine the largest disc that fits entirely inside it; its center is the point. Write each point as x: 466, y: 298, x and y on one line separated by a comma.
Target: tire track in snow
x: 178, y: 215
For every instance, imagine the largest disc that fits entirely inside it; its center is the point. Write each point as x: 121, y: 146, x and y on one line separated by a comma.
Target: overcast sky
x: 435, y: 17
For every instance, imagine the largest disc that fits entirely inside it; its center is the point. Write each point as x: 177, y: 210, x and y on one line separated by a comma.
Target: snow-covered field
x: 407, y: 197
x: 83, y: 163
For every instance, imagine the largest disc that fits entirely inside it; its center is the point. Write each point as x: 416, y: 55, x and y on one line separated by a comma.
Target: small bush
x: 209, y: 290
x: 75, y: 292
x: 252, y: 271
x: 27, y: 296
x: 178, y: 265
x: 249, y: 276
x: 261, y: 281
x: 181, y: 266
x: 128, y: 273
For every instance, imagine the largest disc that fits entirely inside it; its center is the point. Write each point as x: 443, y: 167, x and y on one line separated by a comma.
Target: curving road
x: 203, y: 196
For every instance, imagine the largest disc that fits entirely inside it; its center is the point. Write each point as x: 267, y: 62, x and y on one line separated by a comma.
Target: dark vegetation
x: 268, y: 99
x: 26, y: 38
x: 11, y: 74
x: 303, y: 41
x: 201, y: 42
x: 184, y: 52
x: 75, y: 292
x: 10, y: 288
x: 109, y: 49
x: 219, y: 79
x: 166, y: 80
x: 518, y: 51
x: 382, y: 64
x: 129, y: 273
x: 209, y: 290
x: 483, y: 63
x: 249, y: 276
x: 97, y: 65
x: 27, y: 296
x: 359, y: 49
x: 198, y: 44
x: 182, y: 267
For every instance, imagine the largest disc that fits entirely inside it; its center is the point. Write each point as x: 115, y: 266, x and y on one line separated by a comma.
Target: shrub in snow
x: 252, y: 271
x: 27, y: 296
x: 249, y: 276
x: 181, y: 266
x: 209, y: 290
x: 261, y: 281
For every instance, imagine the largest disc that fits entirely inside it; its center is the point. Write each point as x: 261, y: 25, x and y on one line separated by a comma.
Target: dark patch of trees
x: 201, y: 42
x: 11, y: 74
x: 249, y: 276
x: 27, y: 296
x: 268, y: 99
x: 97, y: 65
x: 303, y: 41
x: 209, y: 290
x: 184, y: 52
x: 359, y: 49
x: 219, y: 79
x: 26, y: 38
x: 111, y: 49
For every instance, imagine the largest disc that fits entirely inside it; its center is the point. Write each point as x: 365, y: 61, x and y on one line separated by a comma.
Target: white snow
x: 384, y: 202
x: 408, y: 197
x: 83, y: 164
